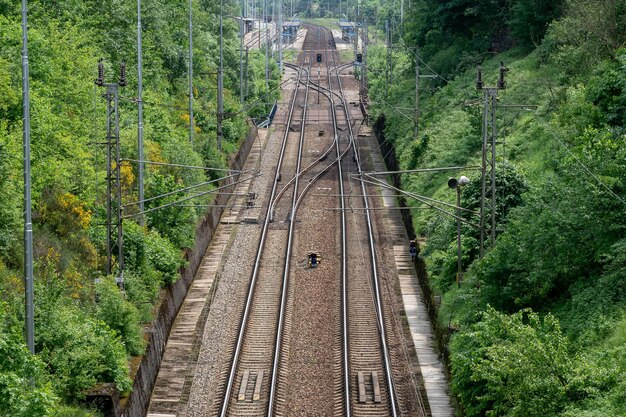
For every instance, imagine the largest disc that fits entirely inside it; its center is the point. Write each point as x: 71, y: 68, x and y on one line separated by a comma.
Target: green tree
x: 511, y: 366
x: 120, y: 315
x: 79, y: 350
x: 529, y: 19
x: 25, y: 390
x: 176, y: 222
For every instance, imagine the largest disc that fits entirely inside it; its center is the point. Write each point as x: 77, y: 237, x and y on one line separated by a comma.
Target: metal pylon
x: 115, y: 251
x: 488, y: 191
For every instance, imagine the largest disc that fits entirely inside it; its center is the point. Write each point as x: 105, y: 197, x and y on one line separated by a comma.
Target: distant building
x: 248, y: 24
x: 290, y: 30
x: 348, y: 30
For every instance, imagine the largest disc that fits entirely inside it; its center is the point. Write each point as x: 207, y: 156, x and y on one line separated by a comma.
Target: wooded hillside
x: 87, y: 331
x: 538, y: 325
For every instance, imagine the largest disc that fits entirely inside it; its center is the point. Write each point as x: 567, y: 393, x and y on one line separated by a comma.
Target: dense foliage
x: 537, y: 328
x: 86, y: 329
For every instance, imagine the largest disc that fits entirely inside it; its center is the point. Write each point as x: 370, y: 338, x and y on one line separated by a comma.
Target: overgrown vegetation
x: 537, y: 327
x: 86, y: 329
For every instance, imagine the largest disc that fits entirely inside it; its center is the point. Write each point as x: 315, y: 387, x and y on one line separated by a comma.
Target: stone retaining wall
x: 392, y: 163
x: 172, y: 297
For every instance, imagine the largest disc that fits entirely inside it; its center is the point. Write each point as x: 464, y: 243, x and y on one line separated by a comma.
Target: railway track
x: 251, y: 381
x: 367, y: 370
x: 270, y: 372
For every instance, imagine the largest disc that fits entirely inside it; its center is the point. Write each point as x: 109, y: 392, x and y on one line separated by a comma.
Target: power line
x: 409, y: 171
x: 191, y: 187
x: 417, y: 57
x: 421, y: 199
x: 457, y: 207
x: 128, y: 216
x: 179, y: 165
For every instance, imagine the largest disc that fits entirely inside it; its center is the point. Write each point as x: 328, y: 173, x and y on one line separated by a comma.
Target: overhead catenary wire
x: 191, y: 187
x: 174, y: 203
x: 412, y: 51
x: 181, y: 165
x: 244, y: 109
x: 418, y: 196
x: 418, y: 170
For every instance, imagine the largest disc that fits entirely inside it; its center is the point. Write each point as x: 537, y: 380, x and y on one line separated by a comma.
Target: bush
x: 79, y: 350
x: 25, y: 390
x: 66, y: 411
x: 146, y: 253
x: 120, y: 315
x: 511, y: 365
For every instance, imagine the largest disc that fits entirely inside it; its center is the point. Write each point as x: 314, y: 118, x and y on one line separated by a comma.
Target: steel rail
x: 304, y: 171
x: 257, y: 263
x: 321, y: 158
x: 374, y: 262
x: 286, y: 269
x: 323, y: 89
x: 322, y: 172
x: 344, y: 260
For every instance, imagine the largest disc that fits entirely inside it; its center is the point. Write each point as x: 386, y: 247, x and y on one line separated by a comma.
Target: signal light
x: 123, y: 81
x: 100, y: 80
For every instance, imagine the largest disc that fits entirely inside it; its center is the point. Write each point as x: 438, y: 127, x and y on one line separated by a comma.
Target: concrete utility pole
x: 190, y: 72
x: 245, y: 87
x: 390, y: 52
x: 458, y: 184
x: 29, y: 304
x: 140, y: 113
x: 355, y: 34
x: 280, y: 36
x: 388, y: 67
x: 417, y: 92
x: 220, y: 86
x: 490, y: 137
x: 363, y: 84
x: 459, y: 248
x: 242, y: 33
x: 364, y: 68
x: 267, y: 46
